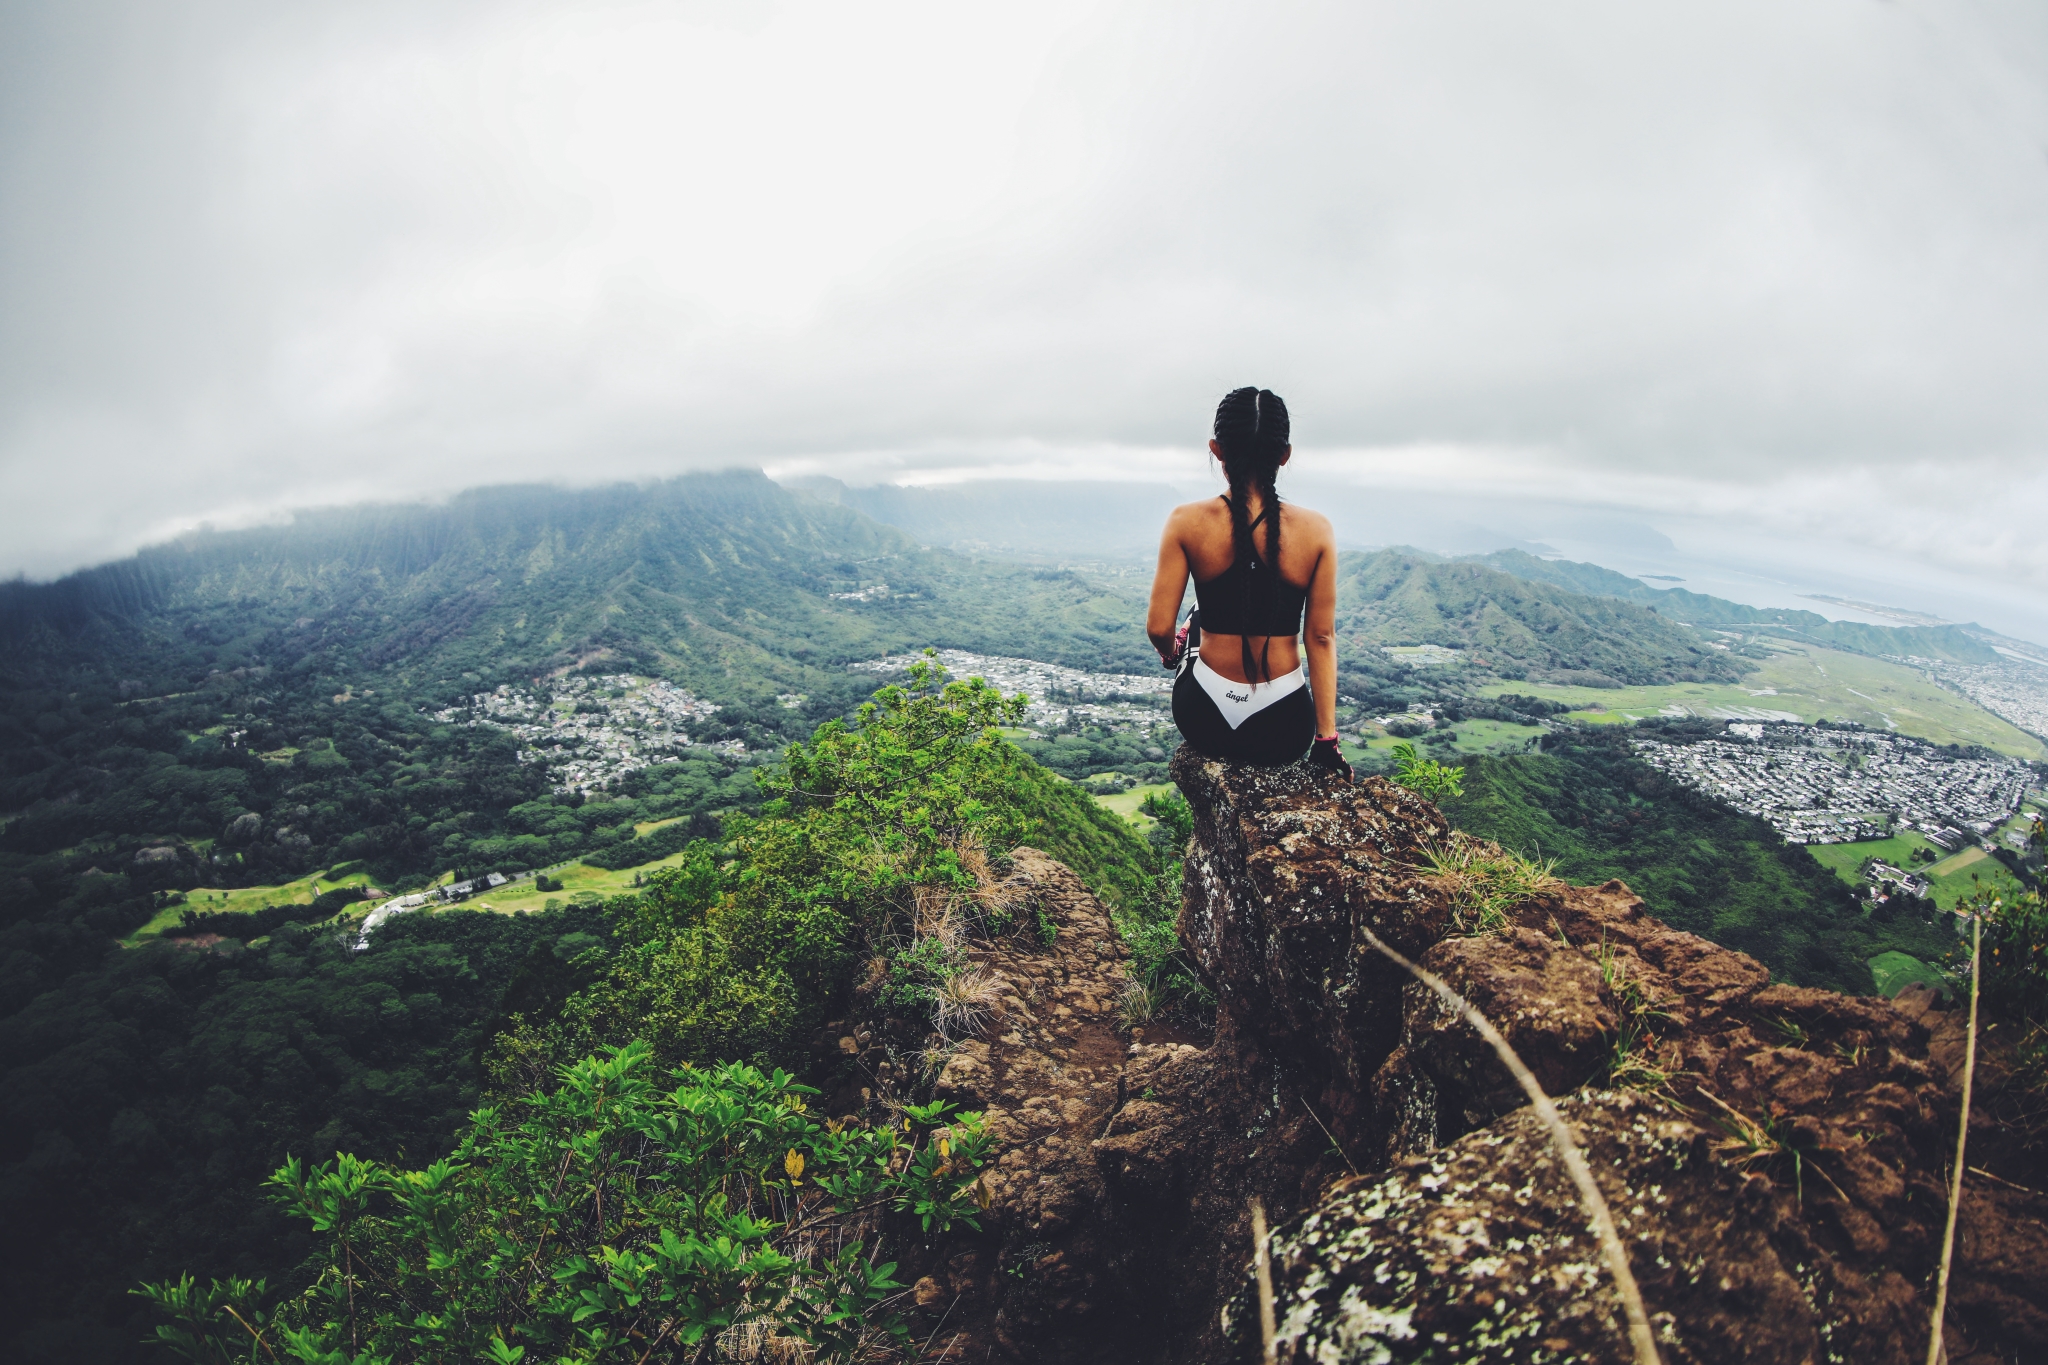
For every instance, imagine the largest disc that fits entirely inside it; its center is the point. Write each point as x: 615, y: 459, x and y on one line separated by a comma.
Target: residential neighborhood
x: 1833, y: 785
x: 2013, y: 689
x: 1120, y: 701
x: 589, y: 731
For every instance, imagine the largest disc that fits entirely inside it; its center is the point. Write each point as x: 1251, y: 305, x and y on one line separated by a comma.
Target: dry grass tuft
x: 872, y: 976
x: 1137, y: 1004
x: 1750, y: 1142
x: 963, y: 1002
x: 1638, y: 1060
x: 934, y: 914
x: 1484, y: 880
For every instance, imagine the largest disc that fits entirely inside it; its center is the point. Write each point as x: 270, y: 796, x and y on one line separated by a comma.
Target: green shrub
x: 2015, y: 957
x: 745, y: 946
x: 1426, y: 776
x: 1485, y: 881
x: 1162, y: 977
x: 608, y: 1220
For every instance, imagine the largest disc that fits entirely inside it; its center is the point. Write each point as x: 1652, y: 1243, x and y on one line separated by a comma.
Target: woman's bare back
x: 1198, y: 543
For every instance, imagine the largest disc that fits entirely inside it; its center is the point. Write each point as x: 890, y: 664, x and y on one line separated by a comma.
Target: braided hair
x: 1251, y: 430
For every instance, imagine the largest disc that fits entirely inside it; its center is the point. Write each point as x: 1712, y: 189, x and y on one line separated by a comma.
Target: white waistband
x: 1239, y: 702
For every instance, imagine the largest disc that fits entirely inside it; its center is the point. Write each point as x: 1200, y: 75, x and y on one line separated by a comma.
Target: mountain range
x: 234, y: 711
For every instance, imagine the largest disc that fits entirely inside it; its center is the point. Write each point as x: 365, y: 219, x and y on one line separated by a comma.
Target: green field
x: 1473, y: 737
x: 1953, y: 880
x: 516, y: 898
x: 1895, y: 971
x: 1812, y: 684
x: 576, y: 878
x: 242, y: 899
x: 1950, y: 880
x: 1126, y: 803
x: 1844, y: 859
x: 1493, y: 736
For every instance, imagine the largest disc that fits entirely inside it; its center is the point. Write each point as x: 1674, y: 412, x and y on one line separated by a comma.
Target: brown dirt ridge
x: 1774, y: 1156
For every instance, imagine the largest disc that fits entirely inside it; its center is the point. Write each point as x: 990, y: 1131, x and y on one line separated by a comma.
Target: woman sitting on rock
x: 1242, y: 692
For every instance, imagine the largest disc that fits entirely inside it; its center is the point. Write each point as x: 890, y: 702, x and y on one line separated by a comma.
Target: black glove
x: 1326, y: 754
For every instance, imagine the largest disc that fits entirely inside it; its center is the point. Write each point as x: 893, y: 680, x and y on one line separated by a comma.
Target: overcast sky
x: 1777, y: 268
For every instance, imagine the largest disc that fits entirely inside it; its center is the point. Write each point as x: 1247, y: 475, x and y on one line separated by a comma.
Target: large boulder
x: 1773, y: 1155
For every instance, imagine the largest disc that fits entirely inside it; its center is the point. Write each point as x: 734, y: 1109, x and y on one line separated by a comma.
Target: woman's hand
x: 1326, y: 754
x: 1169, y: 585
x: 1188, y: 637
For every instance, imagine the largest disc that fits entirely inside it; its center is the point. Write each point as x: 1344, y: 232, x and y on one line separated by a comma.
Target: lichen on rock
x: 1776, y: 1177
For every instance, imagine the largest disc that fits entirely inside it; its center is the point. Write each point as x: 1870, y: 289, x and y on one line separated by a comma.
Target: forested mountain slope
x: 1591, y: 804
x: 1518, y: 627
x: 288, y: 674
x: 722, y: 576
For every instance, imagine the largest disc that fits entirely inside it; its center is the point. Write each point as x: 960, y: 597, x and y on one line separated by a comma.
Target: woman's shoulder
x: 1307, y: 521
x: 1196, y: 513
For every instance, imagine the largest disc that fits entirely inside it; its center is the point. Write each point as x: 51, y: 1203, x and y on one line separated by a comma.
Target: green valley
x: 667, y: 698
x: 1587, y: 802
x: 1807, y: 683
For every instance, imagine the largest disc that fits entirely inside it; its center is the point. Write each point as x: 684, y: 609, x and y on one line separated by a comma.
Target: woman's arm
x: 1320, y: 631
x: 1169, y: 584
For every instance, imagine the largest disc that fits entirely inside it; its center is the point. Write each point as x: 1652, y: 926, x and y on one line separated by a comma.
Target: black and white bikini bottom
x: 1268, y: 723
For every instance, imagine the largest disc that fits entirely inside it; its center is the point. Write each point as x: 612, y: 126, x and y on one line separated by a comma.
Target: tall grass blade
x: 1641, y: 1337
x: 1955, y: 1183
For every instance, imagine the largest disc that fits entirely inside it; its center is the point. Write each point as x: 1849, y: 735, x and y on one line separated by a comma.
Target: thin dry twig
x: 1335, y: 1145
x: 1983, y: 1174
x: 1955, y: 1183
x: 1641, y: 1337
x: 1262, y: 1261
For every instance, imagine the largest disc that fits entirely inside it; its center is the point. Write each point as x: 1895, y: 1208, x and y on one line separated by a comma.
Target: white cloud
x: 1782, y: 266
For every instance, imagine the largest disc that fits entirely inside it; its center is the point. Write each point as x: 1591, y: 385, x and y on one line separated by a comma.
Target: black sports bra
x: 1275, y: 605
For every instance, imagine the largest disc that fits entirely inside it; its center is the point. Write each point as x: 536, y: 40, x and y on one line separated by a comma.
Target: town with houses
x: 590, y: 731
x: 1813, y: 784
x: 1819, y: 785
x: 1059, y: 695
x: 2014, y: 689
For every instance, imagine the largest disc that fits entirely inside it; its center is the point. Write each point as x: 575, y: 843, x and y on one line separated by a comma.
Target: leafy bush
x: 1426, y: 776
x: 915, y: 975
x: 745, y: 946
x: 606, y: 1220
x: 2015, y: 962
x: 1162, y: 978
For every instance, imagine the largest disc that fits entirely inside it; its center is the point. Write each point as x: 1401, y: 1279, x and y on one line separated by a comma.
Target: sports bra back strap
x: 1255, y: 520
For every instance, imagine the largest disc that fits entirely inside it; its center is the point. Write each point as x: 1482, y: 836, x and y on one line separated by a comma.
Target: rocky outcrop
x: 1045, y: 1074
x: 1773, y: 1155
